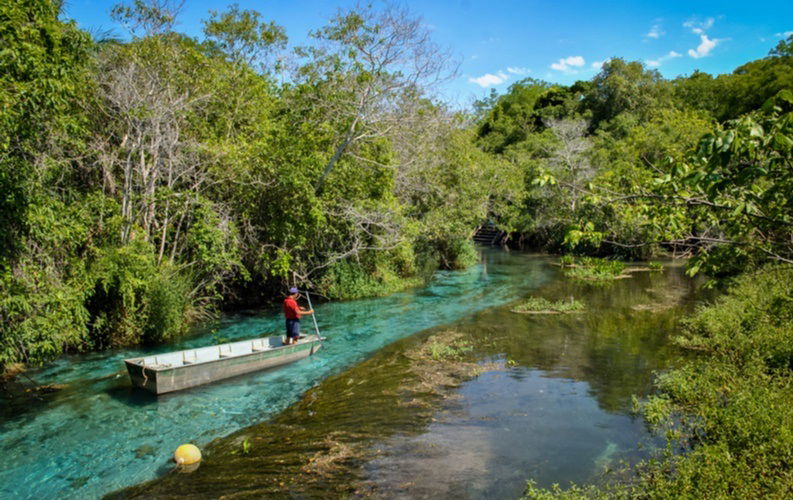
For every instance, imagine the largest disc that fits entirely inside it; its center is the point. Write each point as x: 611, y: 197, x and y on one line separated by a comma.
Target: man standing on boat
x: 293, y: 312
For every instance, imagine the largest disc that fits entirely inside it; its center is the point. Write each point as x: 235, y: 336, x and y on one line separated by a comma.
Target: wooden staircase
x: 488, y: 235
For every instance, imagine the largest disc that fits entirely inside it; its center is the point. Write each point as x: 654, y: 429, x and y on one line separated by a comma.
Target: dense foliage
x: 629, y: 163
x: 146, y: 182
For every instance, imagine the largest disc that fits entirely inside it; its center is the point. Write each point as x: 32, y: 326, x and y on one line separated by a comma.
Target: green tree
x: 512, y: 116
x: 368, y: 70
x: 43, y: 79
x: 243, y: 36
x: 753, y: 83
x: 623, y: 86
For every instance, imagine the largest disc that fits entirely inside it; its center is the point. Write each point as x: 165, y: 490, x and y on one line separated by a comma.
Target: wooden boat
x: 178, y: 370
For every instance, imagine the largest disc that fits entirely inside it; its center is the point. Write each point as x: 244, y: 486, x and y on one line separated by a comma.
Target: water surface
x: 552, y: 404
x: 98, y: 434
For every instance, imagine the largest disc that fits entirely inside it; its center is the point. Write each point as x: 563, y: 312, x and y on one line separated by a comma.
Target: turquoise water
x: 98, y: 434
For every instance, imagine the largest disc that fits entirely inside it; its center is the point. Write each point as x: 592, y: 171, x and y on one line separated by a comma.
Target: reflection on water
x: 555, y: 408
x: 561, y: 413
x: 98, y: 435
x: 508, y: 428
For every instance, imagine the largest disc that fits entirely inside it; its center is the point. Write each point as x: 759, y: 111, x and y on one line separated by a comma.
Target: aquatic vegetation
x: 729, y: 407
x: 567, y: 260
x: 593, y: 269
x: 540, y: 305
x: 298, y: 453
x: 439, y: 363
x: 440, y: 351
x: 655, y: 266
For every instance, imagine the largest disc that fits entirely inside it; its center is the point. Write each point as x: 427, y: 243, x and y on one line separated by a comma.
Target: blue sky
x: 500, y: 42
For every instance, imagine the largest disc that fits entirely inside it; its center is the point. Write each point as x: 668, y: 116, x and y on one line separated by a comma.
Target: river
x: 555, y: 408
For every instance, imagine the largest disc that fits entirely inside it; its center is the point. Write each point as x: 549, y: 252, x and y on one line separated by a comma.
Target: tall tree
x: 144, y: 18
x: 367, y: 68
x: 244, y: 36
x: 568, y: 161
x: 622, y: 86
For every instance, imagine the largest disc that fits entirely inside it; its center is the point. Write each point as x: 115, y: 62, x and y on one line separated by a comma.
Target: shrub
x: 166, y: 308
x: 458, y: 254
x: 349, y: 279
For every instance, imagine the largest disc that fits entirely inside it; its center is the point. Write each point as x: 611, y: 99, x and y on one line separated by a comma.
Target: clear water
x: 560, y: 410
x: 552, y: 405
x: 509, y: 427
x: 98, y: 434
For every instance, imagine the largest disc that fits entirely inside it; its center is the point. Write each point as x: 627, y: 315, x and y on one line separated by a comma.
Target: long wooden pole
x: 313, y: 316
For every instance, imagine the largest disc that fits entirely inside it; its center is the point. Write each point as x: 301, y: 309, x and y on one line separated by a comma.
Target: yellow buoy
x: 187, y: 454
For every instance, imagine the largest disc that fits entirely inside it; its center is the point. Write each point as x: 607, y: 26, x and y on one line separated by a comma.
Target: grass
x: 539, y: 305
x: 592, y: 269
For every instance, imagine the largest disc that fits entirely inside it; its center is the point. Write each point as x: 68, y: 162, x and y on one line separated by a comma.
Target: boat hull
x: 161, y: 380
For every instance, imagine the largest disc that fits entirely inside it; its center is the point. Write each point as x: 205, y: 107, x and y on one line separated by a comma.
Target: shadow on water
x: 132, y: 397
x: 551, y: 403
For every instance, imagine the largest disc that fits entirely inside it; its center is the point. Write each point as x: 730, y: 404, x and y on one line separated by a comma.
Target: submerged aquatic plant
x: 539, y: 305
x: 440, y: 351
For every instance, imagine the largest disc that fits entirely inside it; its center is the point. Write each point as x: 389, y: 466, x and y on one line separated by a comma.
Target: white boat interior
x: 210, y: 353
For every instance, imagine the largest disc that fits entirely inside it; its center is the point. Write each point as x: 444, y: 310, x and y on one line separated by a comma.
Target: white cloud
x: 784, y: 34
x: 654, y: 63
x: 489, y: 79
x: 599, y: 64
x: 705, y: 44
x: 704, y: 48
x: 698, y: 28
x: 655, y: 32
x: 568, y: 63
x: 499, y: 77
